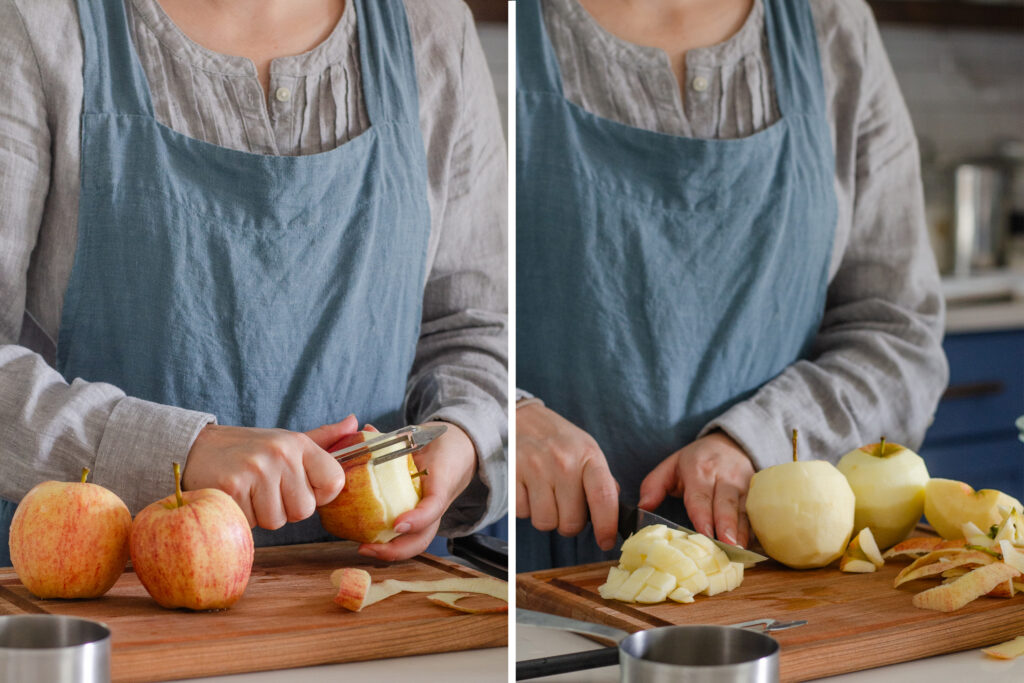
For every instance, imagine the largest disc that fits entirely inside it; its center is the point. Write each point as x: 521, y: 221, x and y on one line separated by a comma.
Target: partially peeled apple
x: 373, y: 496
x: 888, y: 481
x: 802, y: 511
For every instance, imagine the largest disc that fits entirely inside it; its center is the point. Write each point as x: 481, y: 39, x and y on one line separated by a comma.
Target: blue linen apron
x: 271, y: 291
x: 661, y: 279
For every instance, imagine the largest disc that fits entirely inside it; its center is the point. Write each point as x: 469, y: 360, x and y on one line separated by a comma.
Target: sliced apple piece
x: 696, y: 583
x: 1012, y: 556
x: 866, y: 540
x: 717, y: 583
x: 952, y: 596
x: 854, y: 565
x: 616, y: 577
x: 1008, y: 650
x: 632, y: 586
x: 681, y: 595
x: 671, y: 560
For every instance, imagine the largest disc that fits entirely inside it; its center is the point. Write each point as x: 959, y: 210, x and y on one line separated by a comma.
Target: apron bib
x: 661, y: 279
x: 262, y: 289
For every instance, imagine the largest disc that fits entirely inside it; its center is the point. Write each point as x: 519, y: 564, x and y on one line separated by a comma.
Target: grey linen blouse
x: 50, y: 429
x: 877, y: 366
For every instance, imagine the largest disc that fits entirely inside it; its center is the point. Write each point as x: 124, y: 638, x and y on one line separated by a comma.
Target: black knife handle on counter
x: 560, y: 664
x: 486, y: 553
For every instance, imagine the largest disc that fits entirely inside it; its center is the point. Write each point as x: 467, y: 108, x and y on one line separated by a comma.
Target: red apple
x: 70, y: 539
x: 193, y: 549
x: 374, y: 495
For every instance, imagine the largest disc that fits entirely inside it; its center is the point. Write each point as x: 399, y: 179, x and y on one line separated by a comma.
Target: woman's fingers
x: 603, y: 500
x: 562, y: 477
x: 403, y: 547
x: 327, y: 435
x: 267, y: 504
x: 726, y: 510
x: 661, y: 481
x: 324, y: 474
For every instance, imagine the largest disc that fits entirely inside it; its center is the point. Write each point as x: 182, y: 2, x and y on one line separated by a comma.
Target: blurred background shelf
x: 1004, y: 16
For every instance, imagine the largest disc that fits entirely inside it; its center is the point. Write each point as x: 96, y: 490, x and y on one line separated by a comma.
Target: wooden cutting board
x: 285, y: 619
x: 855, y: 621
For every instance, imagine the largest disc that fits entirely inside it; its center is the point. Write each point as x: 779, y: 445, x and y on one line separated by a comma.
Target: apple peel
x: 950, y: 597
x: 939, y: 562
x: 451, y: 600
x: 1008, y: 650
x: 375, y: 592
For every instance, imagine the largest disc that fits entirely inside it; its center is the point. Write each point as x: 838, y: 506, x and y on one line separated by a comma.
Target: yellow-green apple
x: 888, y: 482
x: 801, y: 511
x: 949, y: 504
x: 374, y: 495
x: 70, y: 539
x: 193, y: 549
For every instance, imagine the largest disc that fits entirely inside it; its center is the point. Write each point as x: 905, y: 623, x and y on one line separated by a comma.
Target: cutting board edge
x: 140, y: 665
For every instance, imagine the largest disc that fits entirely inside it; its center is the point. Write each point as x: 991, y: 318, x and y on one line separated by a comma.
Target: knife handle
x: 560, y: 664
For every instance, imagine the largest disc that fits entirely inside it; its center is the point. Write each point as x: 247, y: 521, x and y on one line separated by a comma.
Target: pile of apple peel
x: 980, y: 564
x: 658, y: 563
x: 356, y: 590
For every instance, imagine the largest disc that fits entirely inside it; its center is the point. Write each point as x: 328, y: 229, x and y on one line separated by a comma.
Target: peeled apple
x: 802, y: 512
x: 888, y: 481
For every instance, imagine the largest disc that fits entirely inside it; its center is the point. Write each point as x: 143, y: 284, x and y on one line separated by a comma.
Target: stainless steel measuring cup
x: 691, y: 654
x: 55, y: 649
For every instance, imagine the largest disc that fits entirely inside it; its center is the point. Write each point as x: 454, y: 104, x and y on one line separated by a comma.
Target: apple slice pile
x: 862, y: 555
x: 658, y: 563
x: 356, y: 590
x: 976, y: 565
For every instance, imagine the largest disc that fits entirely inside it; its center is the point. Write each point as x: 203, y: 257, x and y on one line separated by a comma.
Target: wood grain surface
x: 855, y: 621
x: 285, y: 619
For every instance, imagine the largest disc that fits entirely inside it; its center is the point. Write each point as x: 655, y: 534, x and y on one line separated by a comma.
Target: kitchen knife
x: 632, y: 519
x: 412, y: 437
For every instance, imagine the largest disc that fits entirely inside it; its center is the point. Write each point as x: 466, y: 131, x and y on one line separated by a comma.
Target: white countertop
x: 971, y: 666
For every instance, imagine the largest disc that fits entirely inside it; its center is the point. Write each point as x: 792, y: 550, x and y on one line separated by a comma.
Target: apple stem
x: 794, y: 445
x: 85, y: 473
x: 881, y: 447
x: 422, y: 473
x: 177, y: 484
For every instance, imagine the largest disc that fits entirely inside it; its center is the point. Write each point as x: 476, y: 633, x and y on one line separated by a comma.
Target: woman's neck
x: 674, y: 26
x: 261, y: 30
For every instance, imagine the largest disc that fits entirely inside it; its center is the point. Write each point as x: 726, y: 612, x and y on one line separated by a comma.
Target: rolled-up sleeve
x: 877, y: 367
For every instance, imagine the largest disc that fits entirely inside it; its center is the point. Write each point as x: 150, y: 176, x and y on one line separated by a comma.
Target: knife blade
x: 412, y: 438
x: 632, y: 519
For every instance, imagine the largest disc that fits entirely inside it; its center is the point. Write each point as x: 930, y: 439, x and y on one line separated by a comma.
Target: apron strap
x: 536, y: 61
x: 114, y: 81
x: 389, y: 70
x: 796, y: 66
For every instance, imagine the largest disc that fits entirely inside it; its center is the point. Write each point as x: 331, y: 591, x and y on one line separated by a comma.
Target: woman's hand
x: 450, y: 460
x: 712, y: 476
x: 560, y: 473
x: 275, y: 476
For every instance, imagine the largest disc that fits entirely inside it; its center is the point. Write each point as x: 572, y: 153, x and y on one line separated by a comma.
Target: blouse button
x: 283, y: 94
x: 700, y: 84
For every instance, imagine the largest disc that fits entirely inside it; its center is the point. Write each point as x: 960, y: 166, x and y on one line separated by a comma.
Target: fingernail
x: 368, y: 552
x: 729, y: 538
x: 709, y: 532
x: 402, y: 527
